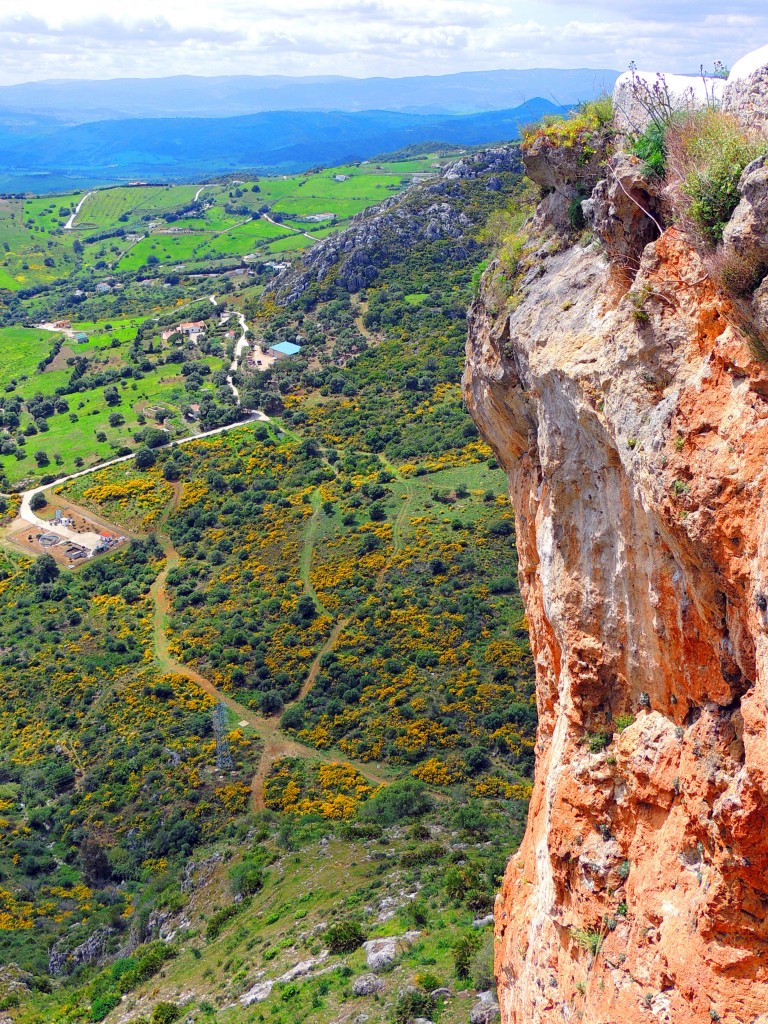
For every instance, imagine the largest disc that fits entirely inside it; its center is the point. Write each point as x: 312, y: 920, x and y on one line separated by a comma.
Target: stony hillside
x: 616, y: 362
x: 435, y: 210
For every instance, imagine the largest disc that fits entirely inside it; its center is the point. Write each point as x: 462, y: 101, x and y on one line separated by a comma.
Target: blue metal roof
x: 287, y: 348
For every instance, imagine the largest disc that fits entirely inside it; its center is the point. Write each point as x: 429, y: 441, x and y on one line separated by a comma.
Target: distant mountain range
x: 59, y: 135
x: 178, y: 149
x: 74, y: 102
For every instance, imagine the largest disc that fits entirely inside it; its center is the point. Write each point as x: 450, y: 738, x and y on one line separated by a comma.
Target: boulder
x: 485, y: 1010
x: 367, y: 984
x: 746, y: 233
x: 380, y: 952
x: 483, y: 922
x: 746, y: 91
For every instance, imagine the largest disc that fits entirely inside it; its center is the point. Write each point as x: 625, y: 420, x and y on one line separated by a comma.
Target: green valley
x: 290, y: 711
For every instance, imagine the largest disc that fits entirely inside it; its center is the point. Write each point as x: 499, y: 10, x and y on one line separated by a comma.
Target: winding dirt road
x: 275, y: 745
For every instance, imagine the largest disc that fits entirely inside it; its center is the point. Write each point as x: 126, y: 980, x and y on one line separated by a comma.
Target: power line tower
x: 224, y: 759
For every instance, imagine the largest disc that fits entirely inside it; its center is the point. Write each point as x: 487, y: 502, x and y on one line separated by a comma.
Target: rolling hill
x: 176, y: 149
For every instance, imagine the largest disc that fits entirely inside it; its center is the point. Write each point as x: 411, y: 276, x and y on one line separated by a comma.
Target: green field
x: 290, y: 244
x: 67, y: 439
x: 70, y: 434
x: 104, y: 207
x: 37, y: 250
x: 21, y: 349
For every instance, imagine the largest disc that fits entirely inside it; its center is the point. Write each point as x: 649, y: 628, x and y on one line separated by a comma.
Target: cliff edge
x: 626, y: 396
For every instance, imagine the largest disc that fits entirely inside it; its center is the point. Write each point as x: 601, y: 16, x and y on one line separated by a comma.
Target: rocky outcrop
x: 746, y: 93
x: 566, y: 170
x: 427, y: 212
x: 62, y: 960
x: 633, y: 427
x: 746, y: 235
x: 623, y: 213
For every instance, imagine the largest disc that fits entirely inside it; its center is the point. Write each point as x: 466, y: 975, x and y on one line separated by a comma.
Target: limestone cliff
x: 632, y: 420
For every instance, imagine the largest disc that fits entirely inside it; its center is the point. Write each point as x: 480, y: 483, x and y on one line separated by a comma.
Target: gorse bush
x: 574, y: 127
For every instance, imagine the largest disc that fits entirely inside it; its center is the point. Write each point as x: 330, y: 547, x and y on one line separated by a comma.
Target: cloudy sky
x: 43, y: 39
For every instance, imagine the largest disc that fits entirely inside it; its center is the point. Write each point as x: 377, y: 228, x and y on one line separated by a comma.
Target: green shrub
x: 464, y: 951
x: 103, y: 1004
x: 575, y: 212
x: 345, y: 937
x: 599, y: 741
x: 481, y: 967
x: 165, y: 1013
x: 218, y: 919
x: 651, y: 148
x: 246, y: 879
x: 412, y: 1003
x: 427, y: 981
x: 623, y: 722
x: 404, y: 798
x: 429, y: 853
x: 710, y: 150
x: 142, y: 965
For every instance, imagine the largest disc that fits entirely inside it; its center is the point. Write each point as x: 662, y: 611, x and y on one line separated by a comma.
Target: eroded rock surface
x: 633, y: 428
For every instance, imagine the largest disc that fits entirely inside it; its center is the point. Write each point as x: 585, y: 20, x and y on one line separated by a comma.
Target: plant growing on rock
x: 598, y: 741
x: 707, y: 152
x: 590, y: 939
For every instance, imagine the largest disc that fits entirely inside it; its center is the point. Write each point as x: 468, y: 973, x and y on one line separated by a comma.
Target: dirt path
x: 360, y: 309
x: 400, y: 520
x: 307, y: 550
x: 327, y: 647
x: 275, y: 745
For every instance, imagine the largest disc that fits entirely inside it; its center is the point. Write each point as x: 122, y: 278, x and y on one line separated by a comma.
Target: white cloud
x: 46, y: 39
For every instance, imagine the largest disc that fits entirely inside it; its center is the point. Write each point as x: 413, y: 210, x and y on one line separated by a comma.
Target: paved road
x: 241, y: 346
x: 287, y: 227
x: 71, y: 222
x: 91, y: 540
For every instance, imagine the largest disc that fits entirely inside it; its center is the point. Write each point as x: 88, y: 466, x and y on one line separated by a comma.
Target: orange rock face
x: 634, y: 432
